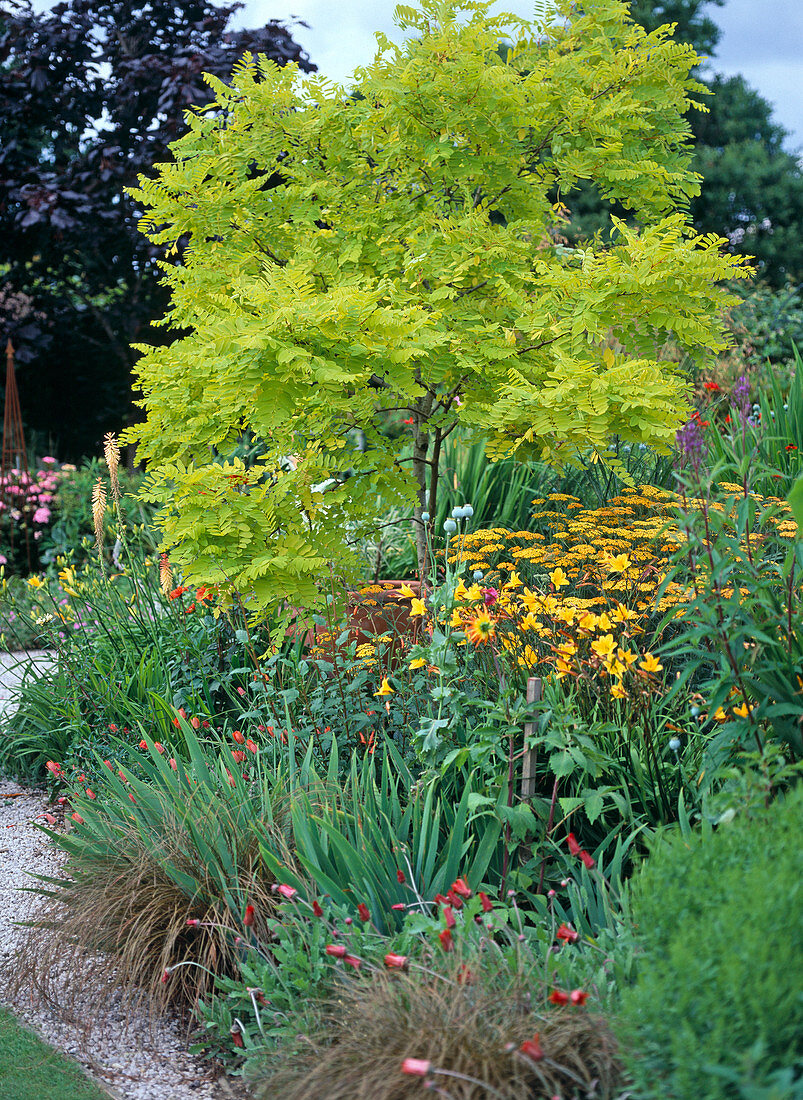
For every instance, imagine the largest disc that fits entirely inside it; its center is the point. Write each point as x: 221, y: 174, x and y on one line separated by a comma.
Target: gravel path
x: 118, y: 1049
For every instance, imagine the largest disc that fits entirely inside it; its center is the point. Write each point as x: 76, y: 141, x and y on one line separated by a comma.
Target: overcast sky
x: 762, y: 39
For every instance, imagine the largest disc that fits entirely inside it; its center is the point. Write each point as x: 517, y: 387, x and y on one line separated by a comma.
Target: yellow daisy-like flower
x: 418, y: 607
x: 386, y: 689
x: 481, y: 628
x: 650, y: 663
x: 558, y: 578
x: 417, y: 662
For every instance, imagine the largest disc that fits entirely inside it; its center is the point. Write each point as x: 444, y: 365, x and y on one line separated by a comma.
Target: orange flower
x: 481, y: 628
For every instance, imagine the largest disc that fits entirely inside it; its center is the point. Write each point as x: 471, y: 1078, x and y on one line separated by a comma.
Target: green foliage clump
x: 716, y: 1010
x: 399, y: 249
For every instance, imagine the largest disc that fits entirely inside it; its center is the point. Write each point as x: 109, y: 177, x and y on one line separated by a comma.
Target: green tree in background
x: 752, y: 191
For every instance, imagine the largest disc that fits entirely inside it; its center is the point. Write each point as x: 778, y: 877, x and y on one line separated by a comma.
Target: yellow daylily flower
x: 603, y: 622
x: 743, y: 710
x: 418, y: 606
x: 650, y: 663
x: 386, y: 689
x: 514, y: 580
x: 558, y: 578
x: 460, y: 592
x: 36, y: 582
x: 455, y: 622
x: 618, y: 564
x: 407, y: 591
x: 417, y: 662
x: 604, y: 646
x: 618, y: 692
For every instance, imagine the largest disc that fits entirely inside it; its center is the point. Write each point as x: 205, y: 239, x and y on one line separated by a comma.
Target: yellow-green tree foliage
x: 410, y: 259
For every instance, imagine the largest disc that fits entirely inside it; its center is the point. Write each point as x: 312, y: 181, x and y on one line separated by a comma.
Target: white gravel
x: 127, y: 1056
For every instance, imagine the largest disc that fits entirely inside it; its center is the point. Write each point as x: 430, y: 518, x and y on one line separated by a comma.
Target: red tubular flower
x: 238, y: 737
x: 109, y: 765
x: 50, y: 819
x: 400, y: 878
x: 396, y: 962
x: 399, y: 905
x: 441, y: 900
x: 91, y: 794
x: 193, y: 922
x: 531, y: 1048
x: 337, y: 950
x: 461, y: 888
x: 449, y: 916
x: 362, y: 909
x: 565, y: 932
x: 238, y: 755
x: 578, y: 996
x: 195, y: 723
x: 159, y: 747
x: 416, y: 1067
x: 248, y: 919
x: 316, y: 908
x: 252, y: 746
x: 558, y: 997
x: 143, y: 744
x: 574, y: 847
x: 285, y: 891
x: 587, y: 859
x: 165, y: 977
x: 485, y: 901
x: 54, y: 768
x: 236, y: 1037
x: 454, y: 899
x: 352, y: 960
x: 173, y: 763
x: 446, y: 939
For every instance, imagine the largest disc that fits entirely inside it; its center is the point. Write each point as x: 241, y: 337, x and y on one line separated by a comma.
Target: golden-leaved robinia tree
x: 398, y: 248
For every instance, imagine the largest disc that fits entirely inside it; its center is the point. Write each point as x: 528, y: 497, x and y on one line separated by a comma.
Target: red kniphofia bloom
x: 109, y: 765
x: 446, y: 939
x: 565, y: 932
x: 578, y: 996
x: 574, y: 847
x: 485, y: 902
x: 337, y: 950
x: 316, y: 908
x: 238, y: 737
x: 416, y: 1067
x: 352, y: 960
x: 558, y: 997
x: 449, y: 916
x: 248, y: 919
x: 400, y: 878
x: 587, y: 859
x: 461, y: 888
x: 396, y: 962
x: 90, y: 794
x: 531, y: 1048
x: 285, y: 891
x: 362, y: 909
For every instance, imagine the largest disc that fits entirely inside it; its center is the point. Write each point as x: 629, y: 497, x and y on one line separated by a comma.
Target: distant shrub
x: 716, y: 1009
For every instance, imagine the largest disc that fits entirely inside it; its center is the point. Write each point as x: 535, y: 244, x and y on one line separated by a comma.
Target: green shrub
x: 716, y: 1009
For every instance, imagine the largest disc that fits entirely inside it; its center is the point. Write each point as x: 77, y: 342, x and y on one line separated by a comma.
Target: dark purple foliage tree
x: 91, y: 94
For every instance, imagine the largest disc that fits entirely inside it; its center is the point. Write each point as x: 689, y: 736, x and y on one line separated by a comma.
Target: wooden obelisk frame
x: 14, y: 457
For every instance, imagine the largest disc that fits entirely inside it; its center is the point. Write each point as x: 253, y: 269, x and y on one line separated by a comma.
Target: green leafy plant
x: 409, y: 259
x: 715, y: 1009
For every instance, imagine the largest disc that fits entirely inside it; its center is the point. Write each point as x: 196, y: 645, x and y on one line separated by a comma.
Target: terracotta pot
x: 372, y: 609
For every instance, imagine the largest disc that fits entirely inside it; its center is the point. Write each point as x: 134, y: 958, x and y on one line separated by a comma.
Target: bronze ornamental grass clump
x: 476, y: 1028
